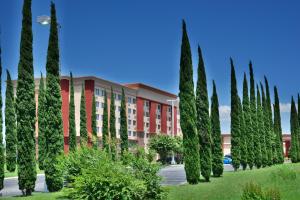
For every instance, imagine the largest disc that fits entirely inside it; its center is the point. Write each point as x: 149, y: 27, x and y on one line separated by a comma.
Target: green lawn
x: 15, y: 173
x: 285, y: 177
x: 39, y: 196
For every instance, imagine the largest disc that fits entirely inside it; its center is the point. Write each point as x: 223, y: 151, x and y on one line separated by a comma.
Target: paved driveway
x: 172, y: 175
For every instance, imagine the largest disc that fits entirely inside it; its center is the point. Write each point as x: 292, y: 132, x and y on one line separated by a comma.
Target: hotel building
x: 149, y: 110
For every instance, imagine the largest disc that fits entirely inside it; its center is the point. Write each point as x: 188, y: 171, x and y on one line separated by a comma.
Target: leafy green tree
x: 264, y: 128
x: 2, y: 159
x: 277, y: 127
x: 217, y: 153
x: 270, y: 132
x: 72, y: 130
x: 188, y: 113
x: 42, y: 123
x: 83, y: 126
x: 258, y: 136
x: 10, y: 126
x: 235, y: 121
x: 294, y: 151
x: 256, y: 150
x: 203, y: 123
x: 163, y: 145
x: 248, y: 124
x: 94, y: 123
x: 243, y: 137
x: 123, y: 128
x: 112, y: 126
x: 25, y: 107
x: 54, y: 126
x: 105, y: 135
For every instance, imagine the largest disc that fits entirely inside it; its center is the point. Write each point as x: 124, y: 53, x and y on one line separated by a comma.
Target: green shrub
x: 253, y: 191
x: 284, y: 173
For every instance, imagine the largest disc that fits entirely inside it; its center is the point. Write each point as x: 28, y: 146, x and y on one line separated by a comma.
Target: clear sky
x: 139, y: 41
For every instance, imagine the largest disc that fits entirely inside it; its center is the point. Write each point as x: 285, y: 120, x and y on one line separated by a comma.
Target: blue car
x: 227, y: 160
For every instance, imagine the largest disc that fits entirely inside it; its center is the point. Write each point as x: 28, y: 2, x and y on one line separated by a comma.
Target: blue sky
x: 139, y: 41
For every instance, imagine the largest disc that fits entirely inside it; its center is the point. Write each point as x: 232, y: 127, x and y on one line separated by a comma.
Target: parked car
x: 228, y: 156
x: 227, y: 160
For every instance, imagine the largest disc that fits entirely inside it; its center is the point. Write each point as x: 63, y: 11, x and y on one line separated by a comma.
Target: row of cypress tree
x: 294, y: 153
x: 256, y: 140
x: 201, y: 130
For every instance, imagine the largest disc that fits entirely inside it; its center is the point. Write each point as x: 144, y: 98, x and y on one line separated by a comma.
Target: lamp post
x: 172, y: 125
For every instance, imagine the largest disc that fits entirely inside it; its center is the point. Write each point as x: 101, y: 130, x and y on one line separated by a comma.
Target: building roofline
x: 147, y: 87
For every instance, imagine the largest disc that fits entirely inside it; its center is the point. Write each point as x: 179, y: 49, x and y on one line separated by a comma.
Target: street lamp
x: 172, y: 125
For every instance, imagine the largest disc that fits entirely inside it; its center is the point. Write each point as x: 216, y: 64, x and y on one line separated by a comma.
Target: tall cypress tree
x: 203, y: 123
x: 42, y: 123
x: 256, y: 152
x: 258, y: 136
x: 83, y: 126
x: 243, y: 137
x: 217, y: 153
x: 123, y: 128
x: 277, y: 127
x: 10, y: 126
x: 94, y: 123
x: 235, y: 121
x: 248, y: 124
x: 294, y: 151
x: 112, y: 126
x: 2, y: 159
x: 264, y: 129
x: 54, y: 128
x: 72, y: 130
x: 270, y: 132
x: 105, y: 135
x: 25, y: 107
x: 188, y: 113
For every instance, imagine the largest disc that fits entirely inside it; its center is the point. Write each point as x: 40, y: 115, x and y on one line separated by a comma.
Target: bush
x: 284, y: 173
x: 253, y: 191
x: 92, y: 174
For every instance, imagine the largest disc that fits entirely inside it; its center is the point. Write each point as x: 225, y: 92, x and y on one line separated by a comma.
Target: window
x: 146, y: 103
x: 129, y: 110
x: 134, y: 111
x: 147, y: 125
x: 169, y: 109
x: 158, y: 116
x: 134, y: 122
x: 102, y: 105
x: 129, y: 100
x: 97, y: 116
x: 146, y: 114
x: 158, y: 107
x: 97, y: 104
x: 129, y: 133
x: 147, y: 135
x: 169, y: 119
x: 134, y: 134
x: 129, y: 122
x: 119, y: 97
x: 158, y: 126
x: 134, y: 100
x: 97, y: 92
x: 102, y: 93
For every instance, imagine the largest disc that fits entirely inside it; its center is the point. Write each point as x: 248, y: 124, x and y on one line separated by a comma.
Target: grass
x: 8, y: 174
x: 38, y: 196
x: 284, y: 177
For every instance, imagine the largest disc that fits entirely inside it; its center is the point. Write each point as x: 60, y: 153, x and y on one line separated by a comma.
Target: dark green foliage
x: 203, y: 122
x: 10, y: 126
x: 264, y: 128
x: 72, y: 130
x: 25, y: 107
x: 94, y: 123
x: 248, y: 124
x: 112, y: 126
x: 269, y: 125
x: 243, y: 137
x: 188, y: 113
x: 217, y: 153
x: 42, y: 123
x: 2, y: 159
x: 83, y: 126
x: 235, y: 121
x: 163, y: 145
x: 294, y: 150
x: 277, y: 127
x: 253, y: 191
x: 54, y: 127
x: 255, y: 143
x: 123, y: 125
x: 105, y: 135
x: 258, y: 136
